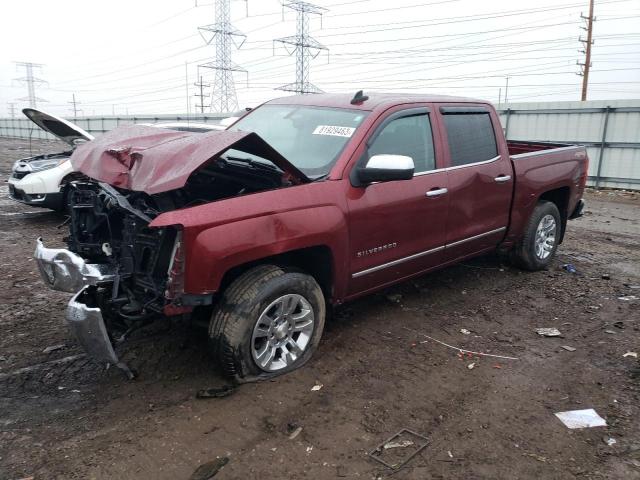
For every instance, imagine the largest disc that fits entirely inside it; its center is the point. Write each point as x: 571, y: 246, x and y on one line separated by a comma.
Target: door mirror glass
x: 384, y: 168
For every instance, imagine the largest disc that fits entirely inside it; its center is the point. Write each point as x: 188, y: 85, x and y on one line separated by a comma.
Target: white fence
x: 609, y: 129
x: 25, y: 128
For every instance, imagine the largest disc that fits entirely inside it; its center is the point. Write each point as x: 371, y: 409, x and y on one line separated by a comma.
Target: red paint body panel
x: 383, y: 232
x: 154, y: 160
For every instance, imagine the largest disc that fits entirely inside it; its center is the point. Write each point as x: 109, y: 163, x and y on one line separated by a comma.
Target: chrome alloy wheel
x: 282, y: 333
x: 545, y: 237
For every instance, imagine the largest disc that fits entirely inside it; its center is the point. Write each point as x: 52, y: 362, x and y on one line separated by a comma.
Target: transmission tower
x: 30, y: 81
x: 587, y: 50
x: 303, y: 45
x: 223, y: 97
x: 201, y: 86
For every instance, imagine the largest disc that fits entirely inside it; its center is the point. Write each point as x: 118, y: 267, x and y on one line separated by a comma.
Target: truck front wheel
x: 268, y: 322
x: 541, y: 237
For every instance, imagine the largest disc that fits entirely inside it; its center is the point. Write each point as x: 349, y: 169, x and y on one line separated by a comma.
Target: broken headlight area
x: 110, y: 227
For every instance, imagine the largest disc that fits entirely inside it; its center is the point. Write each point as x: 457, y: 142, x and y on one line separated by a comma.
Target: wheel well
x: 315, y: 261
x: 560, y: 197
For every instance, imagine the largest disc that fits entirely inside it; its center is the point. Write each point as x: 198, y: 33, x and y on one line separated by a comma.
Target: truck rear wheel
x: 268, y: 322
x: 541, y: 237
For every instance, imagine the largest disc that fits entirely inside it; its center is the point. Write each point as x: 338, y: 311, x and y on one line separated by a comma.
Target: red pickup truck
x: 304, y: 203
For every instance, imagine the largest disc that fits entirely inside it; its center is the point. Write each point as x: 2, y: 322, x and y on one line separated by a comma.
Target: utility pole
x: 12, y: 109
x: 304, y: 46
x: 74, y: 106
x: 30, y: 81
x: 223, y: 97
x: 506, y: 90
x: 202, y: 95
x: 587, y: 50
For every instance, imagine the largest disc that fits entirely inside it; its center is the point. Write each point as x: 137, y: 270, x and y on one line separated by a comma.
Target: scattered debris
x: 619, y: 324
x: 460, y: 350
x: 53, y: 348
x: 548, y: 332
x: 581, y: 418
x: 631, y: 354
x: 402, y: 444
x: 395, y: 442
x: 606, y: 276
x: 627, y: 298
x: 569, y: 268
x: 309, y: 449
x: 464, y: 331
x: 295, y: 433
x: 471, y: 366
x: 568, y: 348
x: 209, y: 470
x: 609, y: 441
x: 449, y: 453
x: 497, y: 366
x: 216, y: 392
x: 610, y: 332
x: 316, y: 387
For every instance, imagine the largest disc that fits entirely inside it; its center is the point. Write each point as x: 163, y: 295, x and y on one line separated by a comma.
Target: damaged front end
x: 119, y: 268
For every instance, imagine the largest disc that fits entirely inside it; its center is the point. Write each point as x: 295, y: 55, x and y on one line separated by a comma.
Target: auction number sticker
x: 334, y: 131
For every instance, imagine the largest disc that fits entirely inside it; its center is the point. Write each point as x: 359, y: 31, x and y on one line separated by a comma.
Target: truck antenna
x: 359, y: 97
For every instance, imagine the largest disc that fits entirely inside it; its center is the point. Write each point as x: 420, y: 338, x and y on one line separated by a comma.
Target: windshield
x: 311, y: 138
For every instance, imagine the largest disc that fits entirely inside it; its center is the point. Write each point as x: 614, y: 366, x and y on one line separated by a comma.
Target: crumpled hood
x: 153, y: 160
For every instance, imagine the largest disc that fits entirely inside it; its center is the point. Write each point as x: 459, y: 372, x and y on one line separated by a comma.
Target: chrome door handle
x: 503, y: 178
x: 437, y: 192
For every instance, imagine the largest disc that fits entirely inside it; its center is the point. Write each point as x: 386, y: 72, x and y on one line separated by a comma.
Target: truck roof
x: 375, y: 100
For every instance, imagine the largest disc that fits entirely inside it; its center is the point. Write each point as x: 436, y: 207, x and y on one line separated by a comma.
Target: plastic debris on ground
x: 609, y: 441
x: 568, y: 267
x: 581, y: 418
x: 631, y: 354
x: 209, y: 470
x: 548, y: 332
x: 628, y: 298
x: 568, y: 348
x: 471, y: 366
x: 402, y: 444
x: 464, y: 331
x: 397, y: 450
x: 295, y: 433
x: 53, y: 348
x: 316, y: 387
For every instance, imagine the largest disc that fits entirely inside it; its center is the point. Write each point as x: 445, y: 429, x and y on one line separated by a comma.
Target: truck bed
x: 519, y: 147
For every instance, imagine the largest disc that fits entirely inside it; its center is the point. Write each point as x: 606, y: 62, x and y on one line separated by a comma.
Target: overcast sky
x: 129, y: 56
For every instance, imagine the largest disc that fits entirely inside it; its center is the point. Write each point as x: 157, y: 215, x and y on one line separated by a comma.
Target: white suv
x: 41, y: 180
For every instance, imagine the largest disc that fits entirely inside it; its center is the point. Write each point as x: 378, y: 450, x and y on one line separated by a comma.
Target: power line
x: 304, y: 46
x: 74, y: 106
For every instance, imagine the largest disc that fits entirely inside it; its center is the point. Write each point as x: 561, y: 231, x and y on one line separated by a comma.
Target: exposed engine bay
x: 111, y: 226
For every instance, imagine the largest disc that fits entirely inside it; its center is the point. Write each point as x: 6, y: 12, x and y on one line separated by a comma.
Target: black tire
x: 236, y: 314
x: 524, y: 254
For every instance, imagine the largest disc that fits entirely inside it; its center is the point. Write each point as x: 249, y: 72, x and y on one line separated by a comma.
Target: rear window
x: 471, y: 137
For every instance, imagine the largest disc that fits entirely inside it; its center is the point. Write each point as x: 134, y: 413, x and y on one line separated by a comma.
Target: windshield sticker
x: 334, y: 131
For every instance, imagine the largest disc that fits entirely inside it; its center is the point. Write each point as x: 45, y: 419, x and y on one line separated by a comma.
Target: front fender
x: 216, y: 250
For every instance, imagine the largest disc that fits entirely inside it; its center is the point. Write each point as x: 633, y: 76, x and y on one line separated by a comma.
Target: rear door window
x: 471, y: 137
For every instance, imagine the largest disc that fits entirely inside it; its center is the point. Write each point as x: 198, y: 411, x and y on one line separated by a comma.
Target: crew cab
x: 306, y: 202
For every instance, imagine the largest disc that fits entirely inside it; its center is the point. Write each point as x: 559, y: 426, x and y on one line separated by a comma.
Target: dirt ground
x: 63, y: 417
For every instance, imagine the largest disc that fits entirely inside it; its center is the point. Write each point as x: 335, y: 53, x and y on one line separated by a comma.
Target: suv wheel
x: 268, y: 322
x: 541, y: 237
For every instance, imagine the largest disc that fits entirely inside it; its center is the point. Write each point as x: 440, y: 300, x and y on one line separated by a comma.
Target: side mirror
x: 384, y: 168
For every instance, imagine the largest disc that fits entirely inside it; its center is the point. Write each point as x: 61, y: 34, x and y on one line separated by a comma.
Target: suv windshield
x: 311, y: 138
